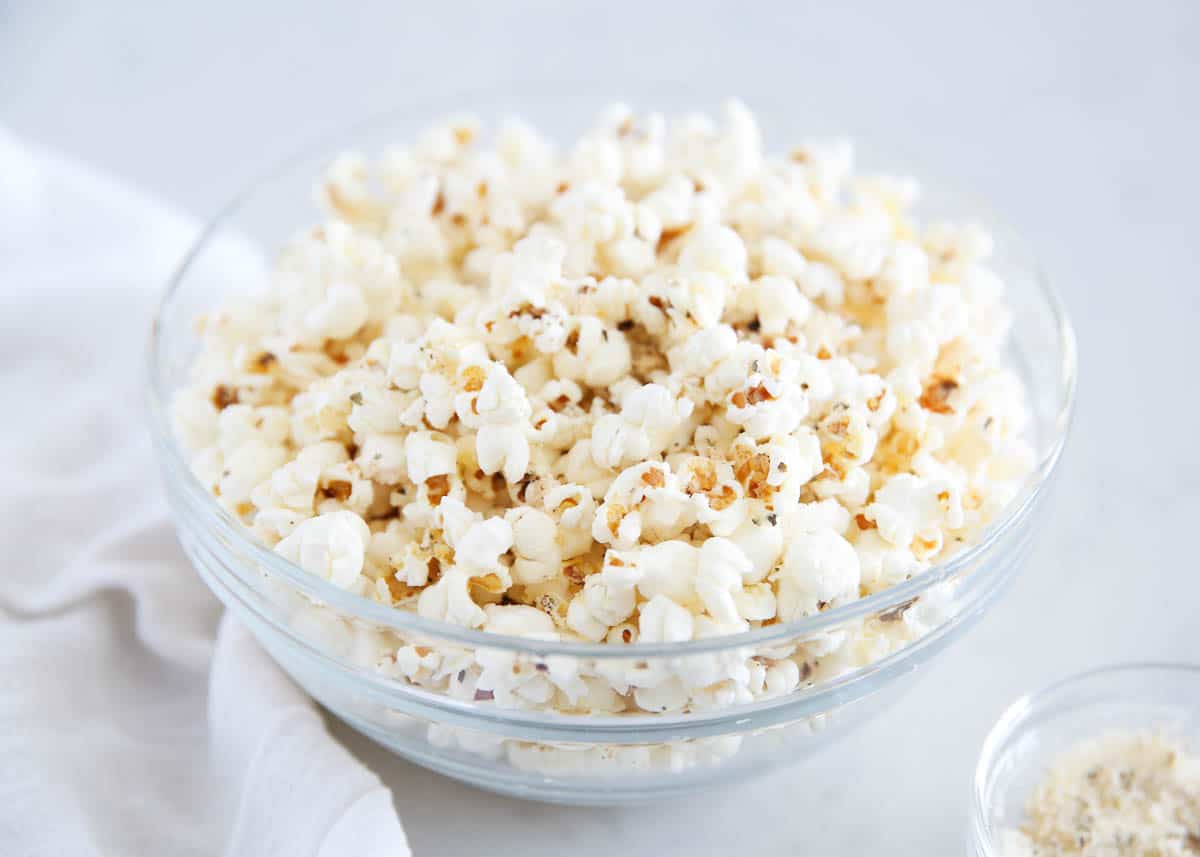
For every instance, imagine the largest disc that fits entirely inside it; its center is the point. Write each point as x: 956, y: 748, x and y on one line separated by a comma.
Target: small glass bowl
x: 1037, y: 727
x: 333, y: 643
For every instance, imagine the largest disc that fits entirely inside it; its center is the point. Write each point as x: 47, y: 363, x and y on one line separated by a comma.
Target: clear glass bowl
x: 331, y: 641
x: 1025, y: 740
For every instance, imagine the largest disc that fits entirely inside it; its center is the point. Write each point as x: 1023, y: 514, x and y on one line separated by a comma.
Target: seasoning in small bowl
x: 1127, y: 783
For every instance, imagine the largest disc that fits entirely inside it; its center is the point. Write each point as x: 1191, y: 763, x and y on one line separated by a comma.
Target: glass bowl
x: 341, y: 648
x: 1029, y: 735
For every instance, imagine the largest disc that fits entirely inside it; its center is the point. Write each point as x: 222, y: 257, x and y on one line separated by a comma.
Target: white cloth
x: 133, y: 720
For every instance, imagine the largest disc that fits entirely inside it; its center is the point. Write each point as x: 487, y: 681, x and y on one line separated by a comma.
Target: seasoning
x: 1124, y: 794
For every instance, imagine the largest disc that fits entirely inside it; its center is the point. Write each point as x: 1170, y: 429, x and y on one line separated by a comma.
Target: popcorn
x: 649, y: 418
x: 574, y: 509
x: 535, y: 544
x: 908, y: 508
x: 755, y: 603
x: 721, y: 568
x: 819, y: 569
x: 244, y: 468
x: 384, y: 457
x: 294, y: 485
x: 427, y: 457
x: 775, y: 304
x: 519, y: 621
x: 331, y: 281
x: 195, y: 417
x: 502, y: 449
x: 480, y: 547
x: 883, y: 564
x: 643, y: 502
x: 761, y: 542
x: 653, y: 387
x: 668, y: 568
x: 669, y: 695
x: 781, y: 677
x: 412, y: 664
x: 663, y: 621
x: 608, y: 599
x: 241, y: 424
x: 717, y: 250
x: 449, y: 600
x: 330, y: 546
x: 593, y: 354
x: 767, y: 406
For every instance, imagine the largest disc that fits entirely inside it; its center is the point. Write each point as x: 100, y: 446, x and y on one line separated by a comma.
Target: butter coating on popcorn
x: 655, y: 386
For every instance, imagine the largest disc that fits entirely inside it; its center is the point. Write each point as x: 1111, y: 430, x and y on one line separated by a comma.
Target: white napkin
x: 133, y: 720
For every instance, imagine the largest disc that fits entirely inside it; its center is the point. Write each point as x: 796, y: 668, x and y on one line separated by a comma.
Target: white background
x: 1079, y: 123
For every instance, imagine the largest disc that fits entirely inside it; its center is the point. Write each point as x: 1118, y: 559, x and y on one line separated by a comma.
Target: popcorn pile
x: 654, y: 387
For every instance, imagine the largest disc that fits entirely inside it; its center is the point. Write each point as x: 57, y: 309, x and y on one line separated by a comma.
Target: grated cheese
x: 1124, y: 794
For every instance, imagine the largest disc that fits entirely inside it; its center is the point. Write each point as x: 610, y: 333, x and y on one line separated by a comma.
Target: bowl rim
x: 1024, y: 709
x: 174, y: 459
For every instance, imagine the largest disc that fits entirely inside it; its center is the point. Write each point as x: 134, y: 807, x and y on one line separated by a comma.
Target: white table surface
x: 1079, y: 123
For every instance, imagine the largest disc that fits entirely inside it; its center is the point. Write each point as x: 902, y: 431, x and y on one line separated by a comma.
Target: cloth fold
x: 134, y: 719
